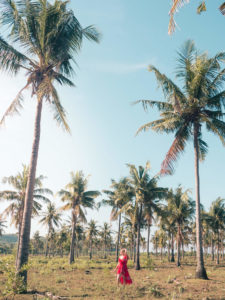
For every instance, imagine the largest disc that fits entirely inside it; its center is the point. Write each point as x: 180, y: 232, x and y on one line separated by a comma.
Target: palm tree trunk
x: 222, y: 244
x: 118, y: 240
x: 178, y: 247
x: 182, y: 245
x: 212, y: 249
x: 72, y: 243
x: 218, y: 248
x: 138, y: 247
x: 200, y: 271
x: 134, y: 250
x: 172, y: 249
x: 23, y: 254
x: 148, y: 239
x: 18, y: 243
x: 169, y: 245
x: 19, y: 231
x: 47, y: 243
x: 77, y: 247
x: 138, y: 267
x: 105, y: 250
x: 91, y: 249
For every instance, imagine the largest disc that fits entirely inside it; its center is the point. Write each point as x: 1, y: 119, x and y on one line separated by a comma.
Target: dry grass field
x: 54, y: 278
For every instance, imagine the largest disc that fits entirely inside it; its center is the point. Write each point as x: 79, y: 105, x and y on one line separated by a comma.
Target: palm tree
x: 130, y: 227
x: 105, y: 234
x: 49, y: 34
x: 186, y: 111
x: 62, y: 238
x: 162, y: 241
x: 37, y: 243
x: 167, y: 224
x: 78, y: 198
x: 51, y: 218
x: 146, y: 198
x: 155, y: 241
x: 79, y: 237
x: 92, y: 232
x: 120, y: 194
x: 139, y: 180
x: 182, y: 209
x: 17, y: 197
x: 216, y: 220
x: 153, y: 195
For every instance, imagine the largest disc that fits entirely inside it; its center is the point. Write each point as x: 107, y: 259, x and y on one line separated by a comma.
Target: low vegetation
x: 55, y: 278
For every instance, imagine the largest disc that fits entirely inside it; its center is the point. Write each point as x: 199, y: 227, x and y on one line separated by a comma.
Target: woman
x: 123, y: 276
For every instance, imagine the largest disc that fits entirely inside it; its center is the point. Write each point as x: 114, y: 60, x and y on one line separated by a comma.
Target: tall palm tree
x: 216, y: 220
x: 139, y: 179
x: 105, y: 234
x: 167, y: 224
x: 121, y: 193
x: 153, y: 195
x: 182, y: 209
x: 92, y: 232
x: 185, y: 111
x: 147, y: 194
x: 47, y: 35
x: 130, y: 227
x: 17, y: 197
x: 77, y: 198
x: 51, y: 218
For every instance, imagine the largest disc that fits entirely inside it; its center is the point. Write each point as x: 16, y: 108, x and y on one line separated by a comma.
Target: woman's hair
x: 123, y: 251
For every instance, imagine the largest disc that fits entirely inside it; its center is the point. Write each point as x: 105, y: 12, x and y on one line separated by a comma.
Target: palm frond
x: 175, y: 6
x: 170, y: 89
x: 92, y: 34
x: 60, y: 114
x: 201, y: 8
x: 15, y: 106
x: 178, y: 146
x: 152, y: 103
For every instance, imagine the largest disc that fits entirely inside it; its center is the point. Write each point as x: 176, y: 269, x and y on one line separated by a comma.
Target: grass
x: 95, y: 280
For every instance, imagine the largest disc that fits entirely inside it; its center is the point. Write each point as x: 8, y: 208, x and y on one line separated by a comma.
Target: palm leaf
x: 170, y: 89
x: 60, y: 114
x: 15, y: 106
x: 151, y: 103
x: 178, y: 146
x: 175, y: 6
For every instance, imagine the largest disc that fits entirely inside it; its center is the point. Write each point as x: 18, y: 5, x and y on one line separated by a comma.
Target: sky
x: 110, y: 76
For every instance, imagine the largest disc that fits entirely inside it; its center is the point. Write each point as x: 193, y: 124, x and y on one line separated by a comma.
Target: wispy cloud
x: 120, y: 67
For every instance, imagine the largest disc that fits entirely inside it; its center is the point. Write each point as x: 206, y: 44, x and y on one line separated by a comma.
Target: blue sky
x: 111, y: 75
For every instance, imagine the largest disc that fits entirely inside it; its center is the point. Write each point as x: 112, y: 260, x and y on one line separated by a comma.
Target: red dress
x: 122, y: 269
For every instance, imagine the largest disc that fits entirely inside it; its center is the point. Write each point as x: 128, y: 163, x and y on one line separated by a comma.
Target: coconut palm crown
x: 200, y: 102
x: 42, y: 40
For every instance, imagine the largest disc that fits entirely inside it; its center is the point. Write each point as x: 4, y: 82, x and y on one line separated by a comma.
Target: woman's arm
x: 116, y: 267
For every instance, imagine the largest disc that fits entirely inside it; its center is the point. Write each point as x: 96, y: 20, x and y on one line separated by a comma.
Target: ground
x: 96, y: 280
